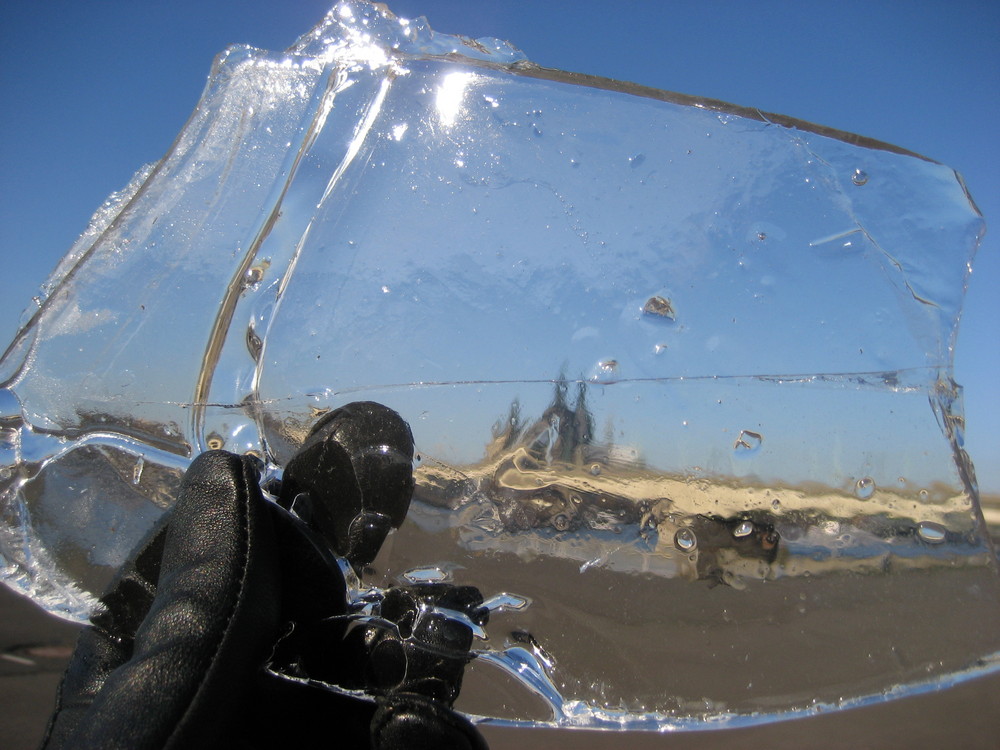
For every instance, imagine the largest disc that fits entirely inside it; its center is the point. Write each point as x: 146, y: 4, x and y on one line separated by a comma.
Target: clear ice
x: 679, y: 372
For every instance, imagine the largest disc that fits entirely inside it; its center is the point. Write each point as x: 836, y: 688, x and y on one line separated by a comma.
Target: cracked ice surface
x: 679, y: 372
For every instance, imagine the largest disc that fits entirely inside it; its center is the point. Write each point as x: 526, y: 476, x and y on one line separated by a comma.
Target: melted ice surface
x: 679, y: 372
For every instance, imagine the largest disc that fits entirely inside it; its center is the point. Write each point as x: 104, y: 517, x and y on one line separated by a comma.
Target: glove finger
x: 312, y: 582
x: 207, y: 630
x: 352, y: 480
x: 414, y: 722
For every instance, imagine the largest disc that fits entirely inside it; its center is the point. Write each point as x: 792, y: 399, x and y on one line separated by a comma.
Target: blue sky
x: 93, y: 91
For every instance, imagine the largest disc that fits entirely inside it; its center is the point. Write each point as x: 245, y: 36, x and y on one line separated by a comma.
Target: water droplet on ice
x: 859, y: 177
x: 659, y: 307
x: 864, y: 488
x: 430, y: 574
x: 932, y: 533
x: 685, y: 540
x: 745, y: 528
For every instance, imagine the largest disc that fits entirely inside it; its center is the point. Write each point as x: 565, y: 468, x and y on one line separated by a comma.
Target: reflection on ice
x: 683, y: 404
x: 450, y: 95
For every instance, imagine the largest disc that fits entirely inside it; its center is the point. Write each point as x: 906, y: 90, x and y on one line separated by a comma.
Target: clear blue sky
x: 92, y: 91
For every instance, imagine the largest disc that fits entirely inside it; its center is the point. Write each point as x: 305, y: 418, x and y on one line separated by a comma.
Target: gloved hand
x: 225, y: 628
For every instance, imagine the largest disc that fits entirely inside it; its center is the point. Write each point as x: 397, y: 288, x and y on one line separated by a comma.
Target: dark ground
x: 34, y: 648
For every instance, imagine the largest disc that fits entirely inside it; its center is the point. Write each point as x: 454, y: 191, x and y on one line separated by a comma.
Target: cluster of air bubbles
x: 685, y: 540
x: 864, y: 488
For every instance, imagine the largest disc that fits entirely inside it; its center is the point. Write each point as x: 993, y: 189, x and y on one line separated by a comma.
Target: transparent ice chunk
x: 679, y: 372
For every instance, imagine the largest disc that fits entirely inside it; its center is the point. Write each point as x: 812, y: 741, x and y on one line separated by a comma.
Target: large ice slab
x: 679, y: 372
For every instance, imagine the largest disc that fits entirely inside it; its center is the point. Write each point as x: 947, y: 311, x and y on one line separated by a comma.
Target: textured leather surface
x: 418, y: 723
x: 172, y: 670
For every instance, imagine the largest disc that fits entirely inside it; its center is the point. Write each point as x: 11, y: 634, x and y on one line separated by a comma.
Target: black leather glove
x: 228, y: 626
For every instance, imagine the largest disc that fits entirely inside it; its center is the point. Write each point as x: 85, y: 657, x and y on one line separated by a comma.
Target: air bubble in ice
x: 595, y: 469
x: 430, y: 574
x: 685, y: 540
x: 748, y: 441
x: 506, y: 601
x: 137, y: 470
x: 215, y: 441
x: 606, y: 372
x: 932, y: 533
x: 860, y: 177
x: 659, y: 307
x: 636, y: 159
x: 254, y: 343
x: 255, y: 273
x: 745, y: 528
x: 864, y: 488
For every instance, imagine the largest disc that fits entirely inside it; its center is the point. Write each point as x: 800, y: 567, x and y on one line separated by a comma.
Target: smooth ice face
x: 679, y: 372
